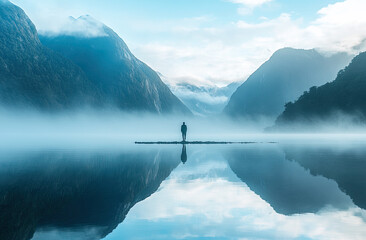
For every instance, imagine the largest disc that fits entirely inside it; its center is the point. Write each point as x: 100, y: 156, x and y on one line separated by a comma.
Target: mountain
x: 203, y: 100
x: 344, y: 96
x: 33, y: 75
x: 283, y: 78
x: 97, y: 69
x: 123, y: 80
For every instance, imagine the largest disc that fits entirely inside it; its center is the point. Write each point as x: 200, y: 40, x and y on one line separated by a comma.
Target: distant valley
x: 202, y: 100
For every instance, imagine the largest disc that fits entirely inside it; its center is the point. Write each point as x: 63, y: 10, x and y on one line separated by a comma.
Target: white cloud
x: 253, y: 3
x: 84, y: 26
x: 205, y: 63
x: 247, y: 6
x: 340, y: 26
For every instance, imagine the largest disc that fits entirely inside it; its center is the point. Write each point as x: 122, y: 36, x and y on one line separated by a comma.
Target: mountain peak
x: 89, y: 20
x: 289, y: 52
x: 84, y: 26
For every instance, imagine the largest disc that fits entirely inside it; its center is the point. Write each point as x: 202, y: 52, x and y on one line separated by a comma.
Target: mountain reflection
x: 285, y: 185
x: 76, y: 192
x: 86, y: 195
x: 345, y: 165
x: 271, y: 199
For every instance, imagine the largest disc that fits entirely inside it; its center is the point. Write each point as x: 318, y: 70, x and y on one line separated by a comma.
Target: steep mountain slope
x: 124, y: 81
x: 345, y: 95
x: 31, y: 74
x: 283, y: 78
x: 108, y: 75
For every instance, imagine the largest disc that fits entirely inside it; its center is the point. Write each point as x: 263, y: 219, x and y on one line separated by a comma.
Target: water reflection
x: 344, y: 164
x: 285, y: 185
x: 183, y: 156
x: 273, y: 198
x: 86, y: 194
x: 255, y: 191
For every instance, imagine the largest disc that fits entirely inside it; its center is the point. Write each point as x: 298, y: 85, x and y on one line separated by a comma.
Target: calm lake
x: 254, y: 191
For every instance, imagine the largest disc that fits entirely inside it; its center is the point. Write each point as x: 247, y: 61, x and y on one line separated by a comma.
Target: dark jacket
x: 183, y: 129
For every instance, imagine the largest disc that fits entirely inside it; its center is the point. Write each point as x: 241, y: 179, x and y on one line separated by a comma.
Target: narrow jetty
x: 199, y: 142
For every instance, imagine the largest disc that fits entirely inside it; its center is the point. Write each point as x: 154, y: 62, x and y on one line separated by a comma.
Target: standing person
x: 183, y: 129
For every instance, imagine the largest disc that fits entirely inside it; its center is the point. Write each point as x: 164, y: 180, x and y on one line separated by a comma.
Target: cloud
x: 209, y: 61
x: 84, y: 26
x: 337, y: 29
x: 252, y: 3
x: 247, y: 6
x: 61, y: 17
x: 340, y: 26
x: 203, y: 97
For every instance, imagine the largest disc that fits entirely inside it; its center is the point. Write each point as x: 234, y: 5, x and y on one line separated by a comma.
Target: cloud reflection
x: 193, y: 206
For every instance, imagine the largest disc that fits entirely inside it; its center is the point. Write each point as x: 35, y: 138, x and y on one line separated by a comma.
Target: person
x: 183, y: 129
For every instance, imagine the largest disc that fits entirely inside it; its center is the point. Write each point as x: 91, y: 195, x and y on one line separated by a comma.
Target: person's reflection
x: 183, y: 156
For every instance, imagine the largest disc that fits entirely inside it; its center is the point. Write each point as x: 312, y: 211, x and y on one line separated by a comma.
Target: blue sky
x: 208, y: 42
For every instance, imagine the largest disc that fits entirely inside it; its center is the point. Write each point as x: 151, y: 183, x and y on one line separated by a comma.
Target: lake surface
x: 253, y: 191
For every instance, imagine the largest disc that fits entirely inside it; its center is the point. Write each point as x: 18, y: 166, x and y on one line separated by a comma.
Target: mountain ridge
x: 343, y: 96
x: 123, y: 79
x: 281, y: 79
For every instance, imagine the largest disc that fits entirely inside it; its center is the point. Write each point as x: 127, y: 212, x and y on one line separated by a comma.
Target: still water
x: 252, y: 191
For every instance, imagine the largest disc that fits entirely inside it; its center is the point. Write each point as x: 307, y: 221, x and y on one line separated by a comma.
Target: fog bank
x: 114, y: 129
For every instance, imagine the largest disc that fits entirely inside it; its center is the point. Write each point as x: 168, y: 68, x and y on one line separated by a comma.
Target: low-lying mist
x: 334, y: 122
x: 111, y: 129
x: 108, y: 127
